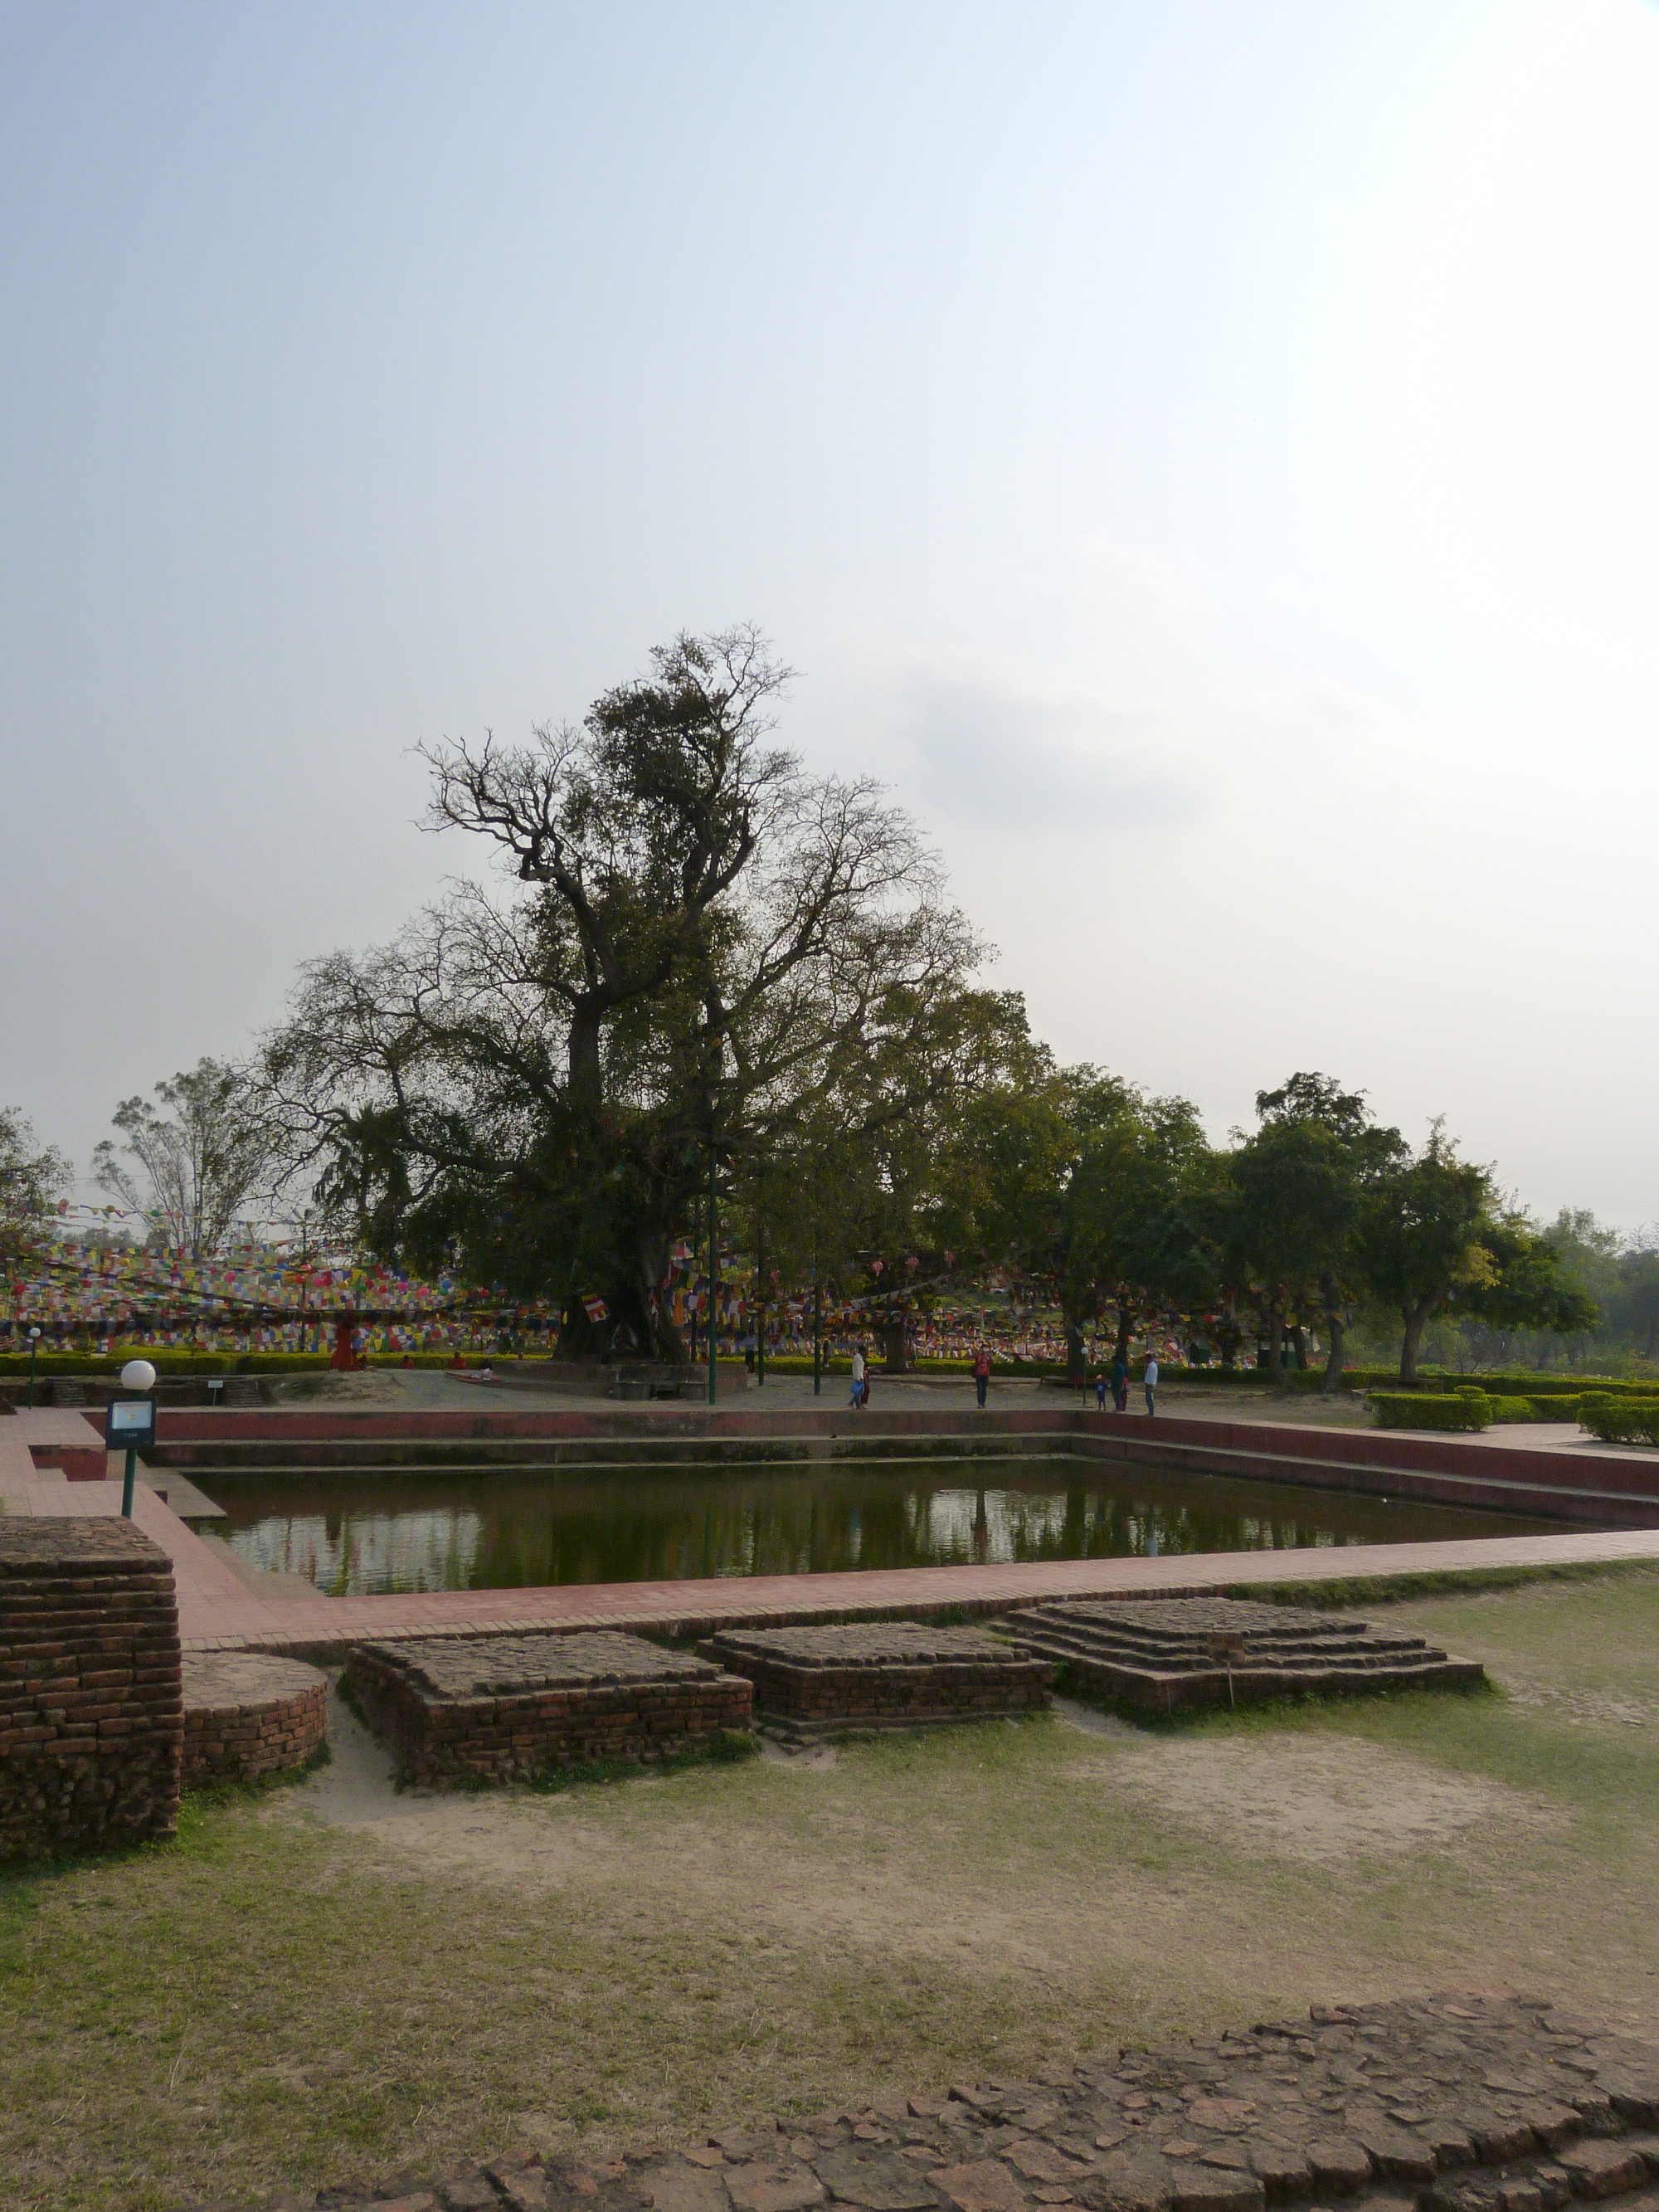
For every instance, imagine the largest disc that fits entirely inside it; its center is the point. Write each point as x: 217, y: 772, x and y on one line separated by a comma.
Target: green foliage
x: 33, y: 1177
x: 167, y: 1360
x: 1620, y: 1420
x: 1414, y: 1409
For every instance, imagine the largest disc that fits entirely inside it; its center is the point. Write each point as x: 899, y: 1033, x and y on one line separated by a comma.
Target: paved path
x: 219, y: 1611
x: 222, y: 1609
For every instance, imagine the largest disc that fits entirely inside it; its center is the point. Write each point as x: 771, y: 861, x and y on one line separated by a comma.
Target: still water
x: 351, y: 1534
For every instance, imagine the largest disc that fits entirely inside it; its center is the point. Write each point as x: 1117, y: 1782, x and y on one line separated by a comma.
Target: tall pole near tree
x: 760, y: 1299
x: 714, y: 1268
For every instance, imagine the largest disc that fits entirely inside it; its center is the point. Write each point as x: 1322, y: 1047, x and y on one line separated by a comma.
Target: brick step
x: 1267, y: 1665
x: 1633, y: 1503
x: 473, y: 1455
x: 1333, y: 1634
x: 1164, y: 1655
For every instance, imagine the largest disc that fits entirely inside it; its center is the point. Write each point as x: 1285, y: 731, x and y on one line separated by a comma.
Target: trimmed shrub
x: 1620, y: 1420
x: 1411, y: 1409
x: 1523, y: 1385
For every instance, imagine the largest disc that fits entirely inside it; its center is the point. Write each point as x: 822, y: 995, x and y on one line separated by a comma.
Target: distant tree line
x: 697, y: 962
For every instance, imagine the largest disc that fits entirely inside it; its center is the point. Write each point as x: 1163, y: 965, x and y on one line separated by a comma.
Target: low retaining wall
x: 506, y: 1708
x: 248, y: 1715
x: 91, y: 1723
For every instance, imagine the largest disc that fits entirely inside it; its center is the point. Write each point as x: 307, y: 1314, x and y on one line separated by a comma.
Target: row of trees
x: 696, y: 959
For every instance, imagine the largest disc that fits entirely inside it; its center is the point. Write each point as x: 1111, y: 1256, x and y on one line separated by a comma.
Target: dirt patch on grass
x: 1320, y: 1801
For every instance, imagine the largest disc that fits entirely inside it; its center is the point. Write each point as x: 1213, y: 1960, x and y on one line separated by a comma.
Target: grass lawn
x: 328, y: 1983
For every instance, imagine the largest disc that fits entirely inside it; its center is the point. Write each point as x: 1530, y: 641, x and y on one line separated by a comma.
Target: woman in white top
x: 857, y: 1398
x: 1151, y: 1379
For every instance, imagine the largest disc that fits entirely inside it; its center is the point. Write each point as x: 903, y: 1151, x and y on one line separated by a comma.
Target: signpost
x: 131, y: 1423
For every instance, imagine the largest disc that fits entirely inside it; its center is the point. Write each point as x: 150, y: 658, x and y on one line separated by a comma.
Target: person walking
x: 982, y: 1373
x: 857, y: 1398
x: 1150, y: 1380
x: 864, y: 1399
x: 1121, y: 1384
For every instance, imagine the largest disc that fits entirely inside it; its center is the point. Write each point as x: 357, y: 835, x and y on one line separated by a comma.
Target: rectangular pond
x: 351, y: 1533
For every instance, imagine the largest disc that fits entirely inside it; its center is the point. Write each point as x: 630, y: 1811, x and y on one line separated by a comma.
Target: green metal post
x: 34, y: 1345
x: 714, y: 1271
x: 127, y: 1482
x: 818, y: 1339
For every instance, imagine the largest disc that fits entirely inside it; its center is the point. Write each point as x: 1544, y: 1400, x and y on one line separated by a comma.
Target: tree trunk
x: 1076, y: 1365
x: 1335, y: 1330
x: 1299, y: 1345
x: 1274, y: 1329
x: 1415, y: 1319
x: 1125, y: 1324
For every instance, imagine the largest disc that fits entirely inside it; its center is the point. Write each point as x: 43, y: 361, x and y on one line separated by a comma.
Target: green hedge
x: 1506, y: 1407
x: 167, y: 1359
x: 1415, y: 1409
x: 1620, y: 1420
x: 1523, y: 1385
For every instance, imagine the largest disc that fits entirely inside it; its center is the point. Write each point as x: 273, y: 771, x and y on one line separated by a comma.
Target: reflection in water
x: 353, y: 1533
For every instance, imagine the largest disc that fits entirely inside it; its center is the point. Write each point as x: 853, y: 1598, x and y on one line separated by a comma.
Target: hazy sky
x: 1205, y: 456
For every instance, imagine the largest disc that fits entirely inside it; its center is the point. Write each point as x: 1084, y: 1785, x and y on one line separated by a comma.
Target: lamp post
x: 34, y: 1345
x: 138, y: 1377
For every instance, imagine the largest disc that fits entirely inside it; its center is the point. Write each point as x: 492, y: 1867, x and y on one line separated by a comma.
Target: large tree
x: 1297, y: 1185
x: 192, y: 1164
x: 1074, y: 1177
x: 702, y: 949
x: 1434, y: 1237
x: 33, y: 1178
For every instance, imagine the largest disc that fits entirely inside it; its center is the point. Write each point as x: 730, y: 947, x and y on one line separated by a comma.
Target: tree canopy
x: 704, y: 949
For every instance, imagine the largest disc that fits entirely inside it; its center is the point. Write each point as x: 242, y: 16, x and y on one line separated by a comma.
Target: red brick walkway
x: 323, y: 1627
x: 218, y: 1611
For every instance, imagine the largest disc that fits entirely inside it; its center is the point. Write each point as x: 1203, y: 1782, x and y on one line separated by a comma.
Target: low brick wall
x: 247, y: 1714
x: 90, y: 1715
x: 880, y: 1674
x: 506, y: 1708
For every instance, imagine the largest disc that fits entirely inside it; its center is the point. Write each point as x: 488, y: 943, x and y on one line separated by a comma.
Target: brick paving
x: 1450, y: 2103
x: 218, y: 1610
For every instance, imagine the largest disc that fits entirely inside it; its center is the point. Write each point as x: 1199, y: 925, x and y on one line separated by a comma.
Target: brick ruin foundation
x: 248, y: 1715
x: 90, y: 1716
x: 1179, y: 1655
x: 814, y: 1682
x: 506, y: 1708
x: 1440, y: 2105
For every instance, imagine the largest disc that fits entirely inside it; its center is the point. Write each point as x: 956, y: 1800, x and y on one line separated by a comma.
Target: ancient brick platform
x: 90, y: 1721
x: 506, y: 1708
x: 248, y: 1715
x: 1449, y: 2105
x: 814, y: 1682
x: 1178, y: 1655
